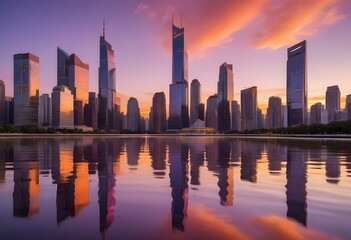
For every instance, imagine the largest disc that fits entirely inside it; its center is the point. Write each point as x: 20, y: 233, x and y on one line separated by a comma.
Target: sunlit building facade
x: 62, y: 107
x: 249, y: 108
x: 296, y: 84
x: 179, y: 93
x: 107, y: 86
x: 332, y: 101
x: 26, y: 90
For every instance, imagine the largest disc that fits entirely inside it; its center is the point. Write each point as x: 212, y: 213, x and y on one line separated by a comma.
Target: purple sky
x: 252, y: 35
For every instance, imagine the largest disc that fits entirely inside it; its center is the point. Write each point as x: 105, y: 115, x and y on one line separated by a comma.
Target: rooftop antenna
x: 181, y: 19
x: 103, y: 28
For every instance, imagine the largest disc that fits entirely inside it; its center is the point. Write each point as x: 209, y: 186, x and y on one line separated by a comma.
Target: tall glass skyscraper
x: 332, y: 101
x: 62, y: 107
x: 296, y: 84
x: 195, y: 100
x: 2, y: 103
x: 107, y: 85
x: 249, y: 108
x: 179, y: 94
x: 26, y: 89
x: 225, y: 92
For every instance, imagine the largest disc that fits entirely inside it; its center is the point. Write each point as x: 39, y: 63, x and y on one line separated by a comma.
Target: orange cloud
x: 287, y: 22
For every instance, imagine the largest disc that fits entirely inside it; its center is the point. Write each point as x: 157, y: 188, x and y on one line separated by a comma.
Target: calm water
x: 174, y: 188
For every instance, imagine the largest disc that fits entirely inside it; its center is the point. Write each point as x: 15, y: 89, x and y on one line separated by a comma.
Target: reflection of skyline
x: 248, y: 162
x: 157, y: 149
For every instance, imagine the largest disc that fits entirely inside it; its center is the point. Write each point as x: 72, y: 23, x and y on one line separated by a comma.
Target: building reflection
x: 332, y: 168
x: 133, y: 147
x: 276, y: 154
x: 197, y: 155
x: 26, y: 179
x: 296, y: 176
x: 248, y: 171
x: 157, y: 149
x: 178, y: 174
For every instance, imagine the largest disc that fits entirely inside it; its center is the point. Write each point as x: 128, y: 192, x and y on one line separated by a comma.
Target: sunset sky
x: 253, y: 35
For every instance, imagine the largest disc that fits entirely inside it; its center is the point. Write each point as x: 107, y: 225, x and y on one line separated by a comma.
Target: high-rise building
x: 2, y: 103
x: 107, y: 85
x: 274, y: 113
x: 90, y: 111
x: 332, y: 101
x: 195, y: 100
x: 348, y: 106
x: 73, y: 73
x: 316, y: 113
x: 9, y: 110
x: 212, y: 112
x: 158, y: 113
x: 26, y: 90
x: 45, y: 110
x: 260, y: 119
x: 249, y: 108
x: 179, y: 94
x: 62, y: 107
x: 133, y: 114
x: 296, y: 84
x: 225, y: 92
x: 236, y: 116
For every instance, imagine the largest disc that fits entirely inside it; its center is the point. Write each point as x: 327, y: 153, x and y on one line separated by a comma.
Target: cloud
x: 210, y: 24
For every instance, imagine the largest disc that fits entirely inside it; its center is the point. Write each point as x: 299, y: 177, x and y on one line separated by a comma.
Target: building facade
x: 195, y: 100
x: 45, y: 110
x: 212, y: 112
x: 236, y: 116
x: 26, y: 90
x: 332, y: 101
x: 158, y: 113
x: 2, y: 103
x: 316, y: 113
x: 274, y: 113
x: 62, y: 107
x: 296, y: 84
x: 249, y: 108
x: 133, y: 115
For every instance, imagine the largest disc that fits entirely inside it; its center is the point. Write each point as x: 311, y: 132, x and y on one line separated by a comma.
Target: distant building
x: 332, y: 101
x: 316, y: 113
x: 45, y: 110
x: 62, y: 107
x: 9, y: 110
x: 249, y: 108
x: 340, y: 115
x: 133, y: 115
x: 195, y: 100
x: 91, y: 111
x: 274, y: 113
x: 178, y: 90
x: 2, y: 103
x: 201, y: 111
x: 158, y: 120
x: 26, y: 90
x: 348, y: 106
x: 225, y: 93
x: 260, y: 119
x: 236, y: 116
x: 296, y: 85
x: 212, y: 112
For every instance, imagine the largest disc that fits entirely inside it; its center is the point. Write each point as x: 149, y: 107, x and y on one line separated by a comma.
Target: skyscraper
x: 274, y: 113
x: 133, y: 114
x: 158, y: 112
x: 2, y: 103
x: 26, y: 89
x: 332, y: 101
x: 179, y: 94
x: 73, y: 73
x: 348, y: 106
x: 236, y: 116
x: 225, y: 92
x: 90, y: 111
x: 212, y: 112
x: 249, y: 108
x: 45, y: 110
x: 62, y: 107
x: 9, y: 110
x: 316, y: 113
x: 195, y: 100
x: 107, y: 85
x: 296, y: 84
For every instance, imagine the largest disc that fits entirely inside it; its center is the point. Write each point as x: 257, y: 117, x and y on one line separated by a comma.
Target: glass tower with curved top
x: 107, y: 86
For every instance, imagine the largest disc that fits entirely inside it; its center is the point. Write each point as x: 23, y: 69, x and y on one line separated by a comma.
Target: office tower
x: 260, y: 119
x: 178, y: 90
x: 133, y: 114
x: 158, y: 113
x: 296, y: 84
x: 212, y: 112
x: 348, y: 106
x: 73, y: 73
x: 9, y: 110
x: 118, y: 116
x: 107, y: 85
x: 45, y: 110
x: 316, y: 113
x: 195, y: 100
x: 2, y: 103
x: 236, y: 116
x: 90, y: 111
x: 249, y: 108
x: 284, y: 115
x: 26, y: 90
x: 332, y: 101
x: 201, y: 111
x: 225, y: 92
x: 62, y: 107
x: 274, y: 113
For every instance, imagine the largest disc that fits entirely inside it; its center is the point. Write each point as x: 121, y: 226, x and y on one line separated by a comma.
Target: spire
x: 103, y: 28
x: 181, y: 19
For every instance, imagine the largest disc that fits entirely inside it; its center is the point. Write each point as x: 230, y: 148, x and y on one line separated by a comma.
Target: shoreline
x: 346, y: 137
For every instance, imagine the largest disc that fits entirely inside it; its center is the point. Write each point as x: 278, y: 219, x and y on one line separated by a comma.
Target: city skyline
x: 328, y: 18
